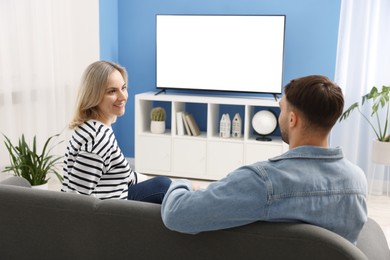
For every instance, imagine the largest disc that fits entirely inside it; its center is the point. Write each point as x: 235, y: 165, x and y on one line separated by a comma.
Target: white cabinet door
x: 189, y: 157
x: 223, y: 157
x: 255, y: 152
x: 153, y: 154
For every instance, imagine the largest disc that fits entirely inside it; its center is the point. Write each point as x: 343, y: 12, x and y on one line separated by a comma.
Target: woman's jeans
x: 152, y: 190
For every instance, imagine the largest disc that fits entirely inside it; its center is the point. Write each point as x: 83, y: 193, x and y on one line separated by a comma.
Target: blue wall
x: 310, y: 41
x: 108, y: 28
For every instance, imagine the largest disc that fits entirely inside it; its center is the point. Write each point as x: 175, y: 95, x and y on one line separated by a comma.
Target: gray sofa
x: 40, y: 224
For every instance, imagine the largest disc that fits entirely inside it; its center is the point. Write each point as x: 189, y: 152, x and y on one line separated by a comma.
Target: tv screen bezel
x: 163, y: 88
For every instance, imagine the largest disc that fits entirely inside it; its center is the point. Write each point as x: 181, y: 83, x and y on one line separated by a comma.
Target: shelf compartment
x: 143, y: 119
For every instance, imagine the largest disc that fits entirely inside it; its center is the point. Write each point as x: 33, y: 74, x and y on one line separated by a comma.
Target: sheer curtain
x: 363, y: 60
x: 44, y: 47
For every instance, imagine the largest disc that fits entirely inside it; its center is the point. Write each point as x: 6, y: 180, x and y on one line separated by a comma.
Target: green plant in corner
x: 26, y: 161
x: 158, y: 114
x: 380, y: 99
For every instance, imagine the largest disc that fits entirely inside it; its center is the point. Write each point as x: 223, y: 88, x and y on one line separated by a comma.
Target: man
x: 311, y: 183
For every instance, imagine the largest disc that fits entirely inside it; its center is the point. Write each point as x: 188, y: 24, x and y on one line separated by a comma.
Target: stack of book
x: 186, y: 124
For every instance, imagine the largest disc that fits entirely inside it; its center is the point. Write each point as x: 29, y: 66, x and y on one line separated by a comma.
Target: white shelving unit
x: 207, y: 156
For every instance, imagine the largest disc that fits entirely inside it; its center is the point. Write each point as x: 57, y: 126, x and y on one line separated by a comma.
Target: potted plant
x: 157, y: 123
x: 30, y: 164
x: 379, y: 100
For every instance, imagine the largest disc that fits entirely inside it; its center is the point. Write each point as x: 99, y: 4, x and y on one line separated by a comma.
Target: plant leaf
x: 346, y: 113
x: 29, y: 164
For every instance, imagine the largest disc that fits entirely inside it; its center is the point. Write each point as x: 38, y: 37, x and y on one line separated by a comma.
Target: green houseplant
x: 27, y: 162
x: 158, y: 114
x: 379, y: 100
x: 157, y: 123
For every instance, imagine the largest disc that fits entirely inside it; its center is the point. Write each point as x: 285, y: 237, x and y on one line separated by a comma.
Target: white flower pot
x: 157, y: 127
x: 41, y: 187
x: 381, y: 152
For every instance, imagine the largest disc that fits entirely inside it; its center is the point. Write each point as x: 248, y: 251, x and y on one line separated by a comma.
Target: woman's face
x: 114, y: 99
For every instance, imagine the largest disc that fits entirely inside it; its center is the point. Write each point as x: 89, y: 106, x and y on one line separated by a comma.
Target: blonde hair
x: 91, y: 91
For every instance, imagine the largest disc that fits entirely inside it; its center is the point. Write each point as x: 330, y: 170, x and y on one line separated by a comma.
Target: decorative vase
x: 157, y: 127
x: 236, y: 125
x: 381, y: 152
x: 225, y: 126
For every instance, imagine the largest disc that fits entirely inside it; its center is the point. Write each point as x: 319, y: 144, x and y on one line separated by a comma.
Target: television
x: 240, y: 53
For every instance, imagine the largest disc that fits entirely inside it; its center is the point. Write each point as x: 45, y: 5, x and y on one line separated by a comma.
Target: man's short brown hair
x: 319, y: 99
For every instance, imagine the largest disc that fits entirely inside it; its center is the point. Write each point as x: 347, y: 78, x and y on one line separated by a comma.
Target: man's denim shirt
x: 307, y: 184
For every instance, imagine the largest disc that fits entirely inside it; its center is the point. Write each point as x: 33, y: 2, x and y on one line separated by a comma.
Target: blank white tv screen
x: 241, y: 53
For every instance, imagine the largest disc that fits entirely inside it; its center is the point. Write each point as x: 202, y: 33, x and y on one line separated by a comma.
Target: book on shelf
x: 180, y: 123
x: 187, y: 127
x: 192, y: 124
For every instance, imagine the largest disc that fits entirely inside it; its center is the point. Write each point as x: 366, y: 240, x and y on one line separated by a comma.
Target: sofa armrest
x: 372, y: 241
x: 16, y: 181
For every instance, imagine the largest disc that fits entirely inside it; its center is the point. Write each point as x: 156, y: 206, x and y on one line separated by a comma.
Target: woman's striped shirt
x: 94, y: 164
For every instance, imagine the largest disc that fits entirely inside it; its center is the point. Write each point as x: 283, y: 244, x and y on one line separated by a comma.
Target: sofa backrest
x: 38, y: 224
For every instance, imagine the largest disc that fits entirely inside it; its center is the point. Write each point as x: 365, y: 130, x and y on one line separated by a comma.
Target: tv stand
x: 207, y: 156
x: 161, y: 91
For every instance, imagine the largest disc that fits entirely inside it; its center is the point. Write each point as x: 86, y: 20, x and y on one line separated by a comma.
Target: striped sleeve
x: 87, y: 172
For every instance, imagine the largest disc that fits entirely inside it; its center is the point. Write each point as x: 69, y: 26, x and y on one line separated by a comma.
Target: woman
x: 94, y: 164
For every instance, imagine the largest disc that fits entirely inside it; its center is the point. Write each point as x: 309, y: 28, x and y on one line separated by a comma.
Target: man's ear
x: 293, y: 119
